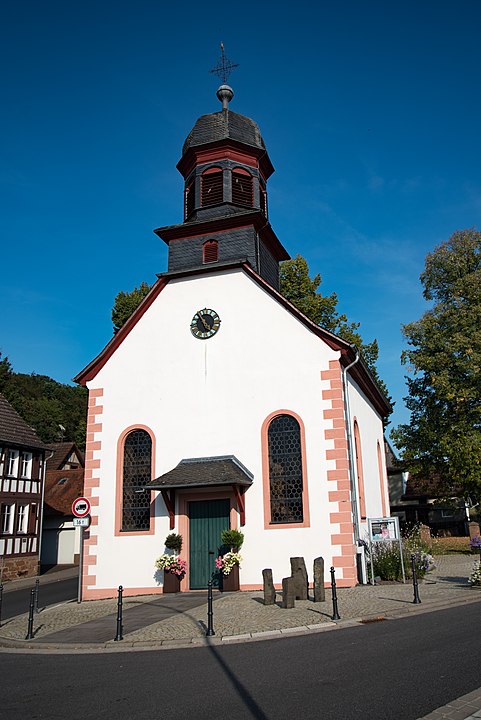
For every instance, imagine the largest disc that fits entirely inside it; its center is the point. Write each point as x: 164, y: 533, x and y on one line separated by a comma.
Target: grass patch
x: 451, y: 546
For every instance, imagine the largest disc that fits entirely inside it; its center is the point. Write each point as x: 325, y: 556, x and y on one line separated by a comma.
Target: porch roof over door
x: 208, y: 472
x: 204, y: 472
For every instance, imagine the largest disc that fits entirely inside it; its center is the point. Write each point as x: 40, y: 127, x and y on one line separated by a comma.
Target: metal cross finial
x: 224, y: 66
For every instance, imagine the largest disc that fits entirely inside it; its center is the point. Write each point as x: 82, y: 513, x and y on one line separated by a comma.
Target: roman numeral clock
x: 205, y: 324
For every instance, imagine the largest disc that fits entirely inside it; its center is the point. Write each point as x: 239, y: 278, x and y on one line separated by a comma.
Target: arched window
x: 285, y: 470
x: 210, y: 251
x: 212, y: 187
x: 190, y: 198
x: 137, y: 464
x: 359, y: 472
x: 382, y: 480
x: 242, y: 187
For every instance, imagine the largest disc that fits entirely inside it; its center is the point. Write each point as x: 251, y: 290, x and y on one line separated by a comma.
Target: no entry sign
x: 81, y: 507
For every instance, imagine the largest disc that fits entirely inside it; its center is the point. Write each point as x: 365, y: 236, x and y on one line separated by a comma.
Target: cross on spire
x: 224, y: 66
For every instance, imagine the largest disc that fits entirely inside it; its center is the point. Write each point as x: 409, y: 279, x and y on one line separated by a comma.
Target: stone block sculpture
x: 319, y: 590
x: 299, y: 576
x: 269, y: 590
x: 288, y: 593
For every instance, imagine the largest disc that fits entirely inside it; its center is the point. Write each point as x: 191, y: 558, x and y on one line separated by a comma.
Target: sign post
x: 381, y: 530
x: 81, y: 512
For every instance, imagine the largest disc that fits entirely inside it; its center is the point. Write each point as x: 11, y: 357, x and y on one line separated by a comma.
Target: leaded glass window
x: 285, y: 470
x: 136, y: 473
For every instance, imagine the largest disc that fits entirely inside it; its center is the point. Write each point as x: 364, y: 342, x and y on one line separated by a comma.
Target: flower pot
x: 171, y: 582
x: 230, y: 582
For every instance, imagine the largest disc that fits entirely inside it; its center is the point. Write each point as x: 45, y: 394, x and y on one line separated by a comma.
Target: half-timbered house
x: 22, y: 475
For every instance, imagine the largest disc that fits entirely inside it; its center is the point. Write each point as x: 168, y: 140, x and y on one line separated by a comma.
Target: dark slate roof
x: 204, y: 472
x: 61, y: 451
x: 14, y: 430
x: 224, y: 125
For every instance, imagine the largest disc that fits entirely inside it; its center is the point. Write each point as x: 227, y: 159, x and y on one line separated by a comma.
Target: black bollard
x: 37, y: 585
x: 335, y: 611
x: 210, y: 612
x: 119, y: 635
x: 417, y: 599
x: 1, y: 598
x: 31, y: 611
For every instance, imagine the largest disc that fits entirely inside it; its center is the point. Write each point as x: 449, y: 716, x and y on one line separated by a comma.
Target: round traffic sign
x: 81, y: 507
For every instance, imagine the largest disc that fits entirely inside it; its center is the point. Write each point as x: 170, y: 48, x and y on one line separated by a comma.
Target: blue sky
x: 370, y: 112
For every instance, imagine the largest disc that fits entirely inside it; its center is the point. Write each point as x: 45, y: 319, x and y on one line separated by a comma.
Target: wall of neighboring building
x: 205, y: 398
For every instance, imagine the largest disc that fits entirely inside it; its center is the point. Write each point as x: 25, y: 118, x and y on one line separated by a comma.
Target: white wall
x: 208, y: 398
x: 371, y: 432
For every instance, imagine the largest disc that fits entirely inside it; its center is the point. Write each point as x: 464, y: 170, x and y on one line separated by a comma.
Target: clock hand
x: 204, y: 322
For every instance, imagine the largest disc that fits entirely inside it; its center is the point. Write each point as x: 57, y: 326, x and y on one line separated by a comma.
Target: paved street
x: 54, y: 588
x: 399, y: 670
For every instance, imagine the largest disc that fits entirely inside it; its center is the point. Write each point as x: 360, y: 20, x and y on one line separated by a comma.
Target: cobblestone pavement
x: 241, y: 616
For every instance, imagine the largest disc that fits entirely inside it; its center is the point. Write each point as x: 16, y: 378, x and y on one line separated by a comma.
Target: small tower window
x: 210, y: 251
x: 263, y: 198
x: 242, y: 187
x: 189, y: 198
x: 212, y: 188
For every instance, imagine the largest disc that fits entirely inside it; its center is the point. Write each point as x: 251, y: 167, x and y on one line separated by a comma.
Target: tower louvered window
x: 190, y: 198
x: 136, y: 473
x: 242, y: 187
x: 212, y: 188
x: 210, y: 251
x: 263, y: 198
x: 285, y: 470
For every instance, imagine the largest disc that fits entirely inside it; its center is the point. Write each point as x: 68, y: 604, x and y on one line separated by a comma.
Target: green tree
x: 5, y: 372
x: 303, y: 292
x: 443, y: 438
x: 125, y: 304
x: 56, y: 411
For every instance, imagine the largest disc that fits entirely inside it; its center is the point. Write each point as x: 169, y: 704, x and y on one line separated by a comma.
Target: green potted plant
x: 174, y: 542
x: 233, y: 539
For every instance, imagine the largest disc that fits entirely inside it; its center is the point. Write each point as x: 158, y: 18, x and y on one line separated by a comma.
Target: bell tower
x: 225, y: 167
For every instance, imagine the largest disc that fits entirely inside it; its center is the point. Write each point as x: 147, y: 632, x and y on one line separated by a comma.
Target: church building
x: 220, y: 405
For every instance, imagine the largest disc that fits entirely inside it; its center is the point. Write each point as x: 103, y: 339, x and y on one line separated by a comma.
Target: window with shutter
x: 210, y: 251
x: 190, y: 199
x: 212, y: 187
x: 242, y: 187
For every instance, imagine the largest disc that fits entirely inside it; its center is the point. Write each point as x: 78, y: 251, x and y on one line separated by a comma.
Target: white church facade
x: 218, y: 404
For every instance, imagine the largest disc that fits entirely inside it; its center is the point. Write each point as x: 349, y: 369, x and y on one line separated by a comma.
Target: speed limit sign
x: 81, y: 507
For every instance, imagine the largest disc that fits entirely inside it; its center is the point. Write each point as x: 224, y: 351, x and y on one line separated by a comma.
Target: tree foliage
x: 125, y: 304
x: 46, y: 405
x: 303, y: 292
x: 443, y: 438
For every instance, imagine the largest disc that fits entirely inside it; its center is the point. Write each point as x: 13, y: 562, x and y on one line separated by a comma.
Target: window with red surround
x: 359, y: 471
x: 136, y: 472
x: 285, y: 470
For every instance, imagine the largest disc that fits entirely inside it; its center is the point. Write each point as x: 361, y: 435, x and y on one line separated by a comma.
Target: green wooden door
x: 207, y: 519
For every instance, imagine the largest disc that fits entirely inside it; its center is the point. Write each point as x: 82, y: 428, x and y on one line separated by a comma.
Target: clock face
x: 205, y: 323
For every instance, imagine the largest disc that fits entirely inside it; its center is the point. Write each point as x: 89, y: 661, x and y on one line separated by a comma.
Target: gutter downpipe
x: 362, y: 576
x: 40, y: 529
